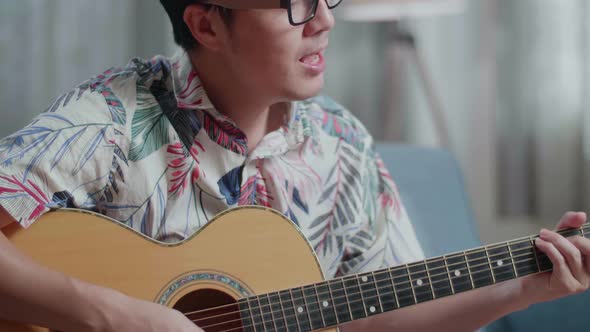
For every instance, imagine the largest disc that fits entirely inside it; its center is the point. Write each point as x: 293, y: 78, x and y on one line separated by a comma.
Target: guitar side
x: 241, y: 252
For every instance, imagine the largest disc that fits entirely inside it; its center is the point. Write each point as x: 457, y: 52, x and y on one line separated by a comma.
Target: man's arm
x: 5, y: 219
x: 33, y: 294
x: 467, y: 312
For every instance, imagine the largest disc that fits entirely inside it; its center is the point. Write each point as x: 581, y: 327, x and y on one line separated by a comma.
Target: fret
x: 246, y: 315
x: 429, y: 280
x: 545, y: 262
x: 364, y: 304
x: 469, y: 271
x: 353, y: 294
x: 420, y: 283
x: 403, y: 287
x: 534, y: 248
x: 267, y: 319
x: 326, y: 301
x: 377, y: 291
x: 343, y: 312
x: 490, y: 263
x: 283, y: 313
x: 317, y: 298
x: 256, y: 313
x: 583, y: 232
x: 289, y: 310
x: 479, y: 268
x: 313, y: 308
x: 542, y: 260
x: 512, y: 260
x: 571, y: 232
x: 370, y: 294
x: 461, y: 280
x: 438, y: 275
x: 300, y: 309
x: 448, y: 274
x: 502, y: 267
x: 387, y: 295
x: 411, y: 283
x: 525, y: 258
x: 277, y: 311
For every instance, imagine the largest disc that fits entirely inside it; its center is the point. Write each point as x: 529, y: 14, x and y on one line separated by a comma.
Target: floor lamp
x: 402, y: 44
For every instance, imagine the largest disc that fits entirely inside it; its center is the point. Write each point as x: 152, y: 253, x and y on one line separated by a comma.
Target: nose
x: 323, y: 20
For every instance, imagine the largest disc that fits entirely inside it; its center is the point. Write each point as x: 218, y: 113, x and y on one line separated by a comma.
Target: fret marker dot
x: 457, y: 273
x: 325, y: 304
x: 300, y: 310
x: 372, y: 309
x: 365, y: 279
x: 500, y: 263
x: 419, y: 282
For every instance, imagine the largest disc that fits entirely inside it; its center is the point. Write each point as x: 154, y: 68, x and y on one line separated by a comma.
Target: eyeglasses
x: 300, y: 11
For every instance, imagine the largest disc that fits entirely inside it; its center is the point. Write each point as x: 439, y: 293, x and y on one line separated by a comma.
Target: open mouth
x: 314, y: 63
x: 312, y: 59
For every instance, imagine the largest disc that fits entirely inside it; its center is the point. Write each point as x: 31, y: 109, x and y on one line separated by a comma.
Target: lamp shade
x: 391, y: 10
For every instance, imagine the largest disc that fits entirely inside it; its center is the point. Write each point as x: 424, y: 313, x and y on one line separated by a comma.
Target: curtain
x: 543, y: 89
x: 47, y: 47
x: 514, y: 77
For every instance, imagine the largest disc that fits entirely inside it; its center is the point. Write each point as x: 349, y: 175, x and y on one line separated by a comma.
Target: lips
x: 313, y: 55
x: 312, y: 59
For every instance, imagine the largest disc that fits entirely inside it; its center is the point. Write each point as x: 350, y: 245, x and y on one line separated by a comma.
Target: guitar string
x: 377, y: 289
x: 406, y: 267
x: 361, y: 300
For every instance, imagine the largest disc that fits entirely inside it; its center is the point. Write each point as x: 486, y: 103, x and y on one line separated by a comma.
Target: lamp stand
x: 403, y: 49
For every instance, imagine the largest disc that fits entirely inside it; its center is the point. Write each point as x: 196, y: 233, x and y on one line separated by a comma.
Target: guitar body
x: 242, y: 252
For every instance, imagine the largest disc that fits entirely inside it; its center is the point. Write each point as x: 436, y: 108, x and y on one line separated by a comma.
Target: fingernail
x: 538, y: 241
x: 544, y: 233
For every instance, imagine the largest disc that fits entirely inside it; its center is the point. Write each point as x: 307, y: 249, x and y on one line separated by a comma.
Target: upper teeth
x: 313, y: 58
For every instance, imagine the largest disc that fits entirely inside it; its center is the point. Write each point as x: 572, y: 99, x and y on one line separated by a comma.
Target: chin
x: 306, y: 89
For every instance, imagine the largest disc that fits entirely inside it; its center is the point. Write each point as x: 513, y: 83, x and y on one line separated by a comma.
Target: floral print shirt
x: 144, y: 145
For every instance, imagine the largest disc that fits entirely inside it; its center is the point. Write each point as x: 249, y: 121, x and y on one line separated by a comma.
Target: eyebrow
x: 248, y: 4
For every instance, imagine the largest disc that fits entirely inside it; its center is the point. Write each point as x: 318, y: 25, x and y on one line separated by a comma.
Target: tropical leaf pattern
x: 183, y: 168
x: 254, y: 192
x: 337, y: 122
x: 150, y: 127
x: 225, y: 134
x: 230, y: 185
x: 35, y: 200
x: 145, y: 146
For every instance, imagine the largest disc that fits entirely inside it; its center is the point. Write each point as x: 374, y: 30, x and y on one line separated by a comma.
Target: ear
x: 206, y: 26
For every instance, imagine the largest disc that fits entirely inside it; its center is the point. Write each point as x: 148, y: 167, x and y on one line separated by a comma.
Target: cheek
x: 268, y: 59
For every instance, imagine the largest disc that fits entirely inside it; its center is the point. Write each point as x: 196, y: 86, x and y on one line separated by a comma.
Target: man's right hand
x: 143, y: 316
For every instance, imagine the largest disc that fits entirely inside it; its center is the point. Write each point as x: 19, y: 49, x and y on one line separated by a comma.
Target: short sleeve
x: 386, y: 237
x: 62, y: 159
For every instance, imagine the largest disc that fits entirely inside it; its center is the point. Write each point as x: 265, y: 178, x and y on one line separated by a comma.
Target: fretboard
x: 333, y: 302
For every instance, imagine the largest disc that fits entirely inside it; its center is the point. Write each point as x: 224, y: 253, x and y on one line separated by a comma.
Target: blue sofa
x: 432, y: 189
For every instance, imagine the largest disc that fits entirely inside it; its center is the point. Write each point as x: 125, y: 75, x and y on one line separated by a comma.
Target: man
x: 163, y: 145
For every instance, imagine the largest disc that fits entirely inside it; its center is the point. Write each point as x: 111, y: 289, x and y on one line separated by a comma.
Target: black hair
x: 182, y: 34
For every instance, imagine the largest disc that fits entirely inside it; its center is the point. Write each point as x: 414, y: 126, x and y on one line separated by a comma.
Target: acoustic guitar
x: 251, y: 269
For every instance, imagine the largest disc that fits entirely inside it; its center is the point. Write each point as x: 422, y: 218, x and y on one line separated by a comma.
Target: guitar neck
x: 333, y: 302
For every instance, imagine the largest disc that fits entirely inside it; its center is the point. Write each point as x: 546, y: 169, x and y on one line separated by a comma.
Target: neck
x: 253, y: 112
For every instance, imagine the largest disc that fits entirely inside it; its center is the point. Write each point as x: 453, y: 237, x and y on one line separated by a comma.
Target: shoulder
x: 333, y: 119
x: 111, y: 94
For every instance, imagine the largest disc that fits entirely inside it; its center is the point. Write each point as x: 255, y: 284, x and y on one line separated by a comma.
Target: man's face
x: 278, y: 60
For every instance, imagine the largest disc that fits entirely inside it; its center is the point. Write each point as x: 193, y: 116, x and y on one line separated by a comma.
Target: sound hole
x: 211, y: 310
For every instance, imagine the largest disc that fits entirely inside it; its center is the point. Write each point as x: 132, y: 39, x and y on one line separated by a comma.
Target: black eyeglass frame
x: 267, y: 4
